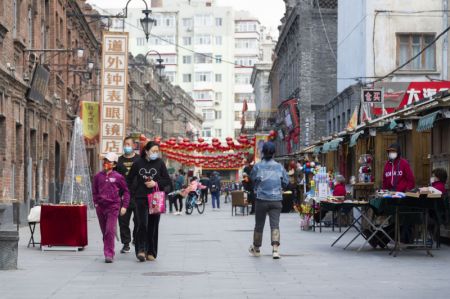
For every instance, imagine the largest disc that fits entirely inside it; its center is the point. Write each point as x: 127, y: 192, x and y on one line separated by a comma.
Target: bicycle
x: 191, y: 203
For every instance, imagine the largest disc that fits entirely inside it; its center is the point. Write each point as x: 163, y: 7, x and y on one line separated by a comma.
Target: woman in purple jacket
x: 105, y: 188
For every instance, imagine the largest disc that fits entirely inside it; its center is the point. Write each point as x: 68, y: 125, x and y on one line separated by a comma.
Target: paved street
x: 205, y: 256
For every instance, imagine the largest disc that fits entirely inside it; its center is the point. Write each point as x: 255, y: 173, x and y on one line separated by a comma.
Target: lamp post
x: 160, y: 67
x: 146, y: 22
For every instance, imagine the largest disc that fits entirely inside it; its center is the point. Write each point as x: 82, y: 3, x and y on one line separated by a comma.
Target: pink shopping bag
x: 156, y: 202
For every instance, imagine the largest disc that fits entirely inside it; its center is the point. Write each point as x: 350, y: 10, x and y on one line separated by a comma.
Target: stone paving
x: 205, y: 256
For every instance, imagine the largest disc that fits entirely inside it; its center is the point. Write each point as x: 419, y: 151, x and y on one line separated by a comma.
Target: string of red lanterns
x: 205, y: 155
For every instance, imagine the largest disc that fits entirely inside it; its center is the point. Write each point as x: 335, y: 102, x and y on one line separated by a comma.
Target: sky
x: 269, y: 13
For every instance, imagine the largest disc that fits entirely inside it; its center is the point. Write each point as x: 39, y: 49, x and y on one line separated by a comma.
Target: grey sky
x: 269, y: 12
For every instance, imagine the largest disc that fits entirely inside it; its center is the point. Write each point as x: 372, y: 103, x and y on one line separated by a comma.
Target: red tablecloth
x: 64, y: 225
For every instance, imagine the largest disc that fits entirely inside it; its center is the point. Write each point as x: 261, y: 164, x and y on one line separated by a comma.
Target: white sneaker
x: 254, y: 251
x: 276, y: 255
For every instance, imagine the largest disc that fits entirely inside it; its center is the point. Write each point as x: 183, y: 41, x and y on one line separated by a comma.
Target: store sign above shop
x: 400, y: 94
x: 372, y: 95
x: 39, y: 84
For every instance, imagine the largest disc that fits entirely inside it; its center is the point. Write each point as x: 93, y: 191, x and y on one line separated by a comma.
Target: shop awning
x: 331, y: 145
x: 317, y: 150
x: 355, y: 137
x: 389, y: 126
x: 426, y: 122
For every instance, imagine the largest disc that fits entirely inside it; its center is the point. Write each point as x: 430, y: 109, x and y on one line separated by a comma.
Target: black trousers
x: 124, y: 224
x: 178, y: 199
x: 148, y: 227
x: 204, y: 195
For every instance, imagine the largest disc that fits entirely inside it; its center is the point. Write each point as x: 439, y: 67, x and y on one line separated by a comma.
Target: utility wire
x: 326, y: 33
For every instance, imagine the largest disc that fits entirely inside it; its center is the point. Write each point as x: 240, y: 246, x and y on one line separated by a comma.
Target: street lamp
x: 146, y: 22
x: 160, y: 67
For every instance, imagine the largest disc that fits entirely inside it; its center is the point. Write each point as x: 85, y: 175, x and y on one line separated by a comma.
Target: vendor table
x: 412, y: 205
x: 357, y: 224
x: 64, y: 225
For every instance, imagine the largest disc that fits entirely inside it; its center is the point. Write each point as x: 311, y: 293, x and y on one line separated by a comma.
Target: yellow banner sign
x: 90, y: 114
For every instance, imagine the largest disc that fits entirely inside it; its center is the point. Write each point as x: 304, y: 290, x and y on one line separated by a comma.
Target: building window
x: 30, y: 28
x: 218, y: 114
x: 249, y: 26
x: 203, y: 20
x: 206, y: 132
x: 187, y: 59
x: 246, y: 43
x: 202, y: 95
x: 187, y: 40
x: 240, y: 97
x: 187, y: 78
x: 16, y: 16
x: 140, y: 41
x: 218, y: 22
x: 218, y: 97
x: 170, y: 21
x: 219, y: 133
x: 218, y: 77
x: 208, y: 115
x: 250, y: 115
x: 203, y: 39
x: 203, y: 58
x: 338, y: 123
x: 187, y: 22
x: 218, y: 58
x: 218, y: 40
x: 409, y: 44
x: 246, y: 61
x: 203, y: 77
x: 329, y: 127
x: 237, y: 115
x: 242, y: 78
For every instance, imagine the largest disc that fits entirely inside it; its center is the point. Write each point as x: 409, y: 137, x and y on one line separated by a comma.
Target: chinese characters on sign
x: 372, y: 95
x: 90, y: 113
x: 114, y: 91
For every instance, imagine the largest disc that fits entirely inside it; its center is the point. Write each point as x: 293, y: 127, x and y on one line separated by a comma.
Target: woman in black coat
x: 149, y: 170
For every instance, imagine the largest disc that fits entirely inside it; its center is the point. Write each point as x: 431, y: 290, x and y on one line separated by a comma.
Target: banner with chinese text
x: 90, y: 114
x: 114, y: 91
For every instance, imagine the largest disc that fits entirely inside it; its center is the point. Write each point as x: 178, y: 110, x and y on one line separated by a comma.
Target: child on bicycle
x: 194, y: 185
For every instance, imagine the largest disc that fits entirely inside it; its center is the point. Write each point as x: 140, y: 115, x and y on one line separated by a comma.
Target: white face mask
x: 393, y: 155
x: 432, y: 180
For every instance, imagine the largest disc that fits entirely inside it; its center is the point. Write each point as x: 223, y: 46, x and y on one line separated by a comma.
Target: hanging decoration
x: 214, y: 155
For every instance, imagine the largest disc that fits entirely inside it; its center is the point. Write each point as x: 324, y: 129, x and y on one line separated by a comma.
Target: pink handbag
x: 156, y: 201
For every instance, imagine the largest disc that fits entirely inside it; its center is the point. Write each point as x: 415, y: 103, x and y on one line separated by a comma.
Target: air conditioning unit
x: 217, y: 103
x: 189, y: 29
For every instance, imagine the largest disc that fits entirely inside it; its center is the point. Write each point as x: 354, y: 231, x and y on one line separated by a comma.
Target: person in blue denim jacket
x: 270, y: 178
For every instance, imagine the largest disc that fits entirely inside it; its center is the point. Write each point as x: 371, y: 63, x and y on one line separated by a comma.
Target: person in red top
x: 438, y: 179
x: 397, y: 174
x: 339, y: 188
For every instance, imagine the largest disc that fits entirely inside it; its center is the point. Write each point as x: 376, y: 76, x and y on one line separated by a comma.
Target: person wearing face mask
x: 148, y: 171
x: 123, y: 167
x: 438, y: 179
x: 397, y: 174
x: 106, y: 187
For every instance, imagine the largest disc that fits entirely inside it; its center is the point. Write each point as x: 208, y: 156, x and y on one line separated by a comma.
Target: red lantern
x: 200, y: 139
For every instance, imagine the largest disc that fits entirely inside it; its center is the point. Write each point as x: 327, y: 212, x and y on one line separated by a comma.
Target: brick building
x: 304, y: 69
x: 35, y: 133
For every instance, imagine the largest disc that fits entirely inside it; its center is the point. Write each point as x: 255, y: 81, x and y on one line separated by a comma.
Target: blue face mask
x: 154, y: 156
x: 127, y: 150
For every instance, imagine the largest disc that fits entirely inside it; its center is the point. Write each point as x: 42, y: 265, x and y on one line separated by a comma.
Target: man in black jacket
x: 204, y: 192
x: 123, y: 167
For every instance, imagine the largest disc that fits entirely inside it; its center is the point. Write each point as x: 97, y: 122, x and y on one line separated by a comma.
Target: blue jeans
x: 215, y: 199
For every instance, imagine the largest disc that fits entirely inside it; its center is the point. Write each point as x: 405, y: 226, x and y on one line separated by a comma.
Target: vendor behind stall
x: 339, y: 188
x: 397, y: 174
x: 438, y: 179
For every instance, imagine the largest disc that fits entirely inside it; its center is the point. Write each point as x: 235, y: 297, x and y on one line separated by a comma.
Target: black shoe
x: 125, y: 249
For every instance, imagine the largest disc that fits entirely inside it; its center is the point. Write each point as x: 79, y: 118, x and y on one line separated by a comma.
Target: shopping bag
x: 156, y: 202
